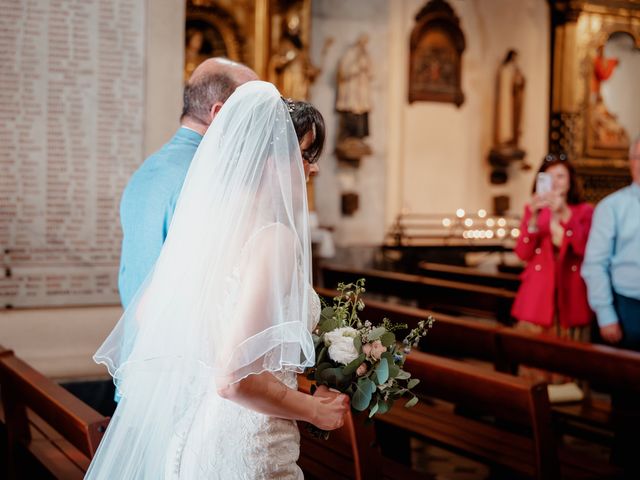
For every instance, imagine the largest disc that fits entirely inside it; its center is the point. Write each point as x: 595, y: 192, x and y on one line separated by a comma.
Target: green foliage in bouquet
x: 360, y: 359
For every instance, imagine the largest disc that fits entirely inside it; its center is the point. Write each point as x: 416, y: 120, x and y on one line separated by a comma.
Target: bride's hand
x: 330, y: 408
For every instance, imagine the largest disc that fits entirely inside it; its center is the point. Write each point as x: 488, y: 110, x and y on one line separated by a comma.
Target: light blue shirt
x: 612, y: 259
x: 147, y: 206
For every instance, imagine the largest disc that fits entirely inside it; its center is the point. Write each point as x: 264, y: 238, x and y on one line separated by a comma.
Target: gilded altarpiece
x: 581, y: 124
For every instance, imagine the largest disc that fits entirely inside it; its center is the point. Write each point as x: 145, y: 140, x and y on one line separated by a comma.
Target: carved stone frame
x: 436, y: 15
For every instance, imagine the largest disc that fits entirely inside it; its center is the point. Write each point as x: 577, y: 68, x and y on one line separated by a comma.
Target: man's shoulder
x: 615, y: 197
x: 163, y: 169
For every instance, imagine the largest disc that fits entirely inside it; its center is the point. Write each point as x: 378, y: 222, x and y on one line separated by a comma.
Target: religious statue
x: 510, y: 83
x: 602, y: 70
x: 353, y: 101
x: 508, y: 107
x: 605, y: 131
x: 291, y: 68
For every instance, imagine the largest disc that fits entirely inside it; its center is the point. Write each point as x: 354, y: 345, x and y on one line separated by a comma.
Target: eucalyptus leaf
x: 411, y: 402
x: 382, y: 371
x: 329, y: 325
x: 376, y: 333
x: 373, y: 411
x: 388, y: 339
x: 403, y: 375
x: 394, y: 370
x: 357, y: 342
x: 367, y: 385
x: 413, y: 382
x: 389, y: 356
x: 361, y: 398
x: 383, y: 407
x: 322, y: 355
x: 326, y: 314
x: 353, y: 366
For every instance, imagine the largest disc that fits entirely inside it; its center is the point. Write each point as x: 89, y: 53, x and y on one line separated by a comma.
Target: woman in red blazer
x: 553, y: 297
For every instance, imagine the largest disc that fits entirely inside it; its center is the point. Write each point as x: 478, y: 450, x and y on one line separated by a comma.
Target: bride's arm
x: 266, y: 394
x: 269, y: 267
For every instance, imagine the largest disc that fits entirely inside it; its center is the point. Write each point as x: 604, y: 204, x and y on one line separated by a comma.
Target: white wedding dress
x: 228, y: 441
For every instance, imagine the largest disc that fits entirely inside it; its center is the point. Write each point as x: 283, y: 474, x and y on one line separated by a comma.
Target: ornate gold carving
x: 580, y: 29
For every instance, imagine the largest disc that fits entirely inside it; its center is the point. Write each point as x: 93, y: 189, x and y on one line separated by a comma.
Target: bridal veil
x: 228, y: 296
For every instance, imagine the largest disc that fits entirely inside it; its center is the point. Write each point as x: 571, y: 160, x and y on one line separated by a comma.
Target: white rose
x: 341, y: 347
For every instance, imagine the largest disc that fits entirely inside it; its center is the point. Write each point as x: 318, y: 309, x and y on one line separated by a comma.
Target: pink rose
x: 362, y: 369
x: 374, y: 349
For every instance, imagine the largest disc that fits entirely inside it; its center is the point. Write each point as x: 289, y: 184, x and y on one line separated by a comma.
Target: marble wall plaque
x: 71, y: 134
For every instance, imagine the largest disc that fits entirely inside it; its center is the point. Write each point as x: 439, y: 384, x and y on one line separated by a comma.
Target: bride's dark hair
x: 306, y: 118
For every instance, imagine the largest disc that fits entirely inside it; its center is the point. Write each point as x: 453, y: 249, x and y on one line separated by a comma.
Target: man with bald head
x: 150, y: 197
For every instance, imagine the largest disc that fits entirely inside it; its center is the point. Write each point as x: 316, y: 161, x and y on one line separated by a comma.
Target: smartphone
x: 543, y: 183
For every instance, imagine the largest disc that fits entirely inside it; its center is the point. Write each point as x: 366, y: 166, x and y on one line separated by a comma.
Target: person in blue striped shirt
x: 611, y: 267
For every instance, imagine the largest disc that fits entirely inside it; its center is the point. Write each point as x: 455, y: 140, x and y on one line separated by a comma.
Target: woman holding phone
x: 552, y: 297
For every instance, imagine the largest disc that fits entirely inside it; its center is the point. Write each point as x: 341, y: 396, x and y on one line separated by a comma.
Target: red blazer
x: 551, y: 283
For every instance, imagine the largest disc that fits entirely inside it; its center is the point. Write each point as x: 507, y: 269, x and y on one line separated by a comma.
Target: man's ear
x: 215, y: 108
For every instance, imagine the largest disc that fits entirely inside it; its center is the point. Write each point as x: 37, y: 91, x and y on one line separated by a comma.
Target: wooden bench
x: 470, y: 275
x: 435, y: 294
x: 351, y: 452
x: 517, y: 438
x: 606, y: 368
x: 42, y: 418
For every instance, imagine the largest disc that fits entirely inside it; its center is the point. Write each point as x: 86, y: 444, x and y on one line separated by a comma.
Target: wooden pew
x: 350, y: 453
x: 606, y: 368
x: 506, y: 397
x: 473, y: 276
x: 435, y: 294
x: 529, y: 451
x: 58, y: 430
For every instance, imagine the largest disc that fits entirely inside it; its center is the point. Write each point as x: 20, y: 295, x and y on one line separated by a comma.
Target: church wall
x: 430, y: 157
x: 345, y: 22
x: 59, y: 342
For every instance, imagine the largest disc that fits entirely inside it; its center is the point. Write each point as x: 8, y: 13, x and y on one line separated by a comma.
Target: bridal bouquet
x: 360, y: 359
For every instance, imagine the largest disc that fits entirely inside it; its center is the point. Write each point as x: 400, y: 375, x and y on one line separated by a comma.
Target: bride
x: 206, y: 356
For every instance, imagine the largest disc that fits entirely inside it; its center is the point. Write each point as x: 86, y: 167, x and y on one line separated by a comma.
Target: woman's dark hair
x: 574, y: 195
x: 306, y: 118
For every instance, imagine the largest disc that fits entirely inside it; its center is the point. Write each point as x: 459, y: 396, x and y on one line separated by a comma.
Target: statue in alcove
x: 508, y: 108
x: 605, y: 131
x: 291, y: 68
x: 353, y: 101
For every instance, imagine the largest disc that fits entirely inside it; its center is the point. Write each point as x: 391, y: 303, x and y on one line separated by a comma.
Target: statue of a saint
x: 291, y: 68
x: 605, y: 131
x: 602, y: 70
x: 354, y: 89
x: 353, y: 101
x: 510, y: 84
x: 509, y: 102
